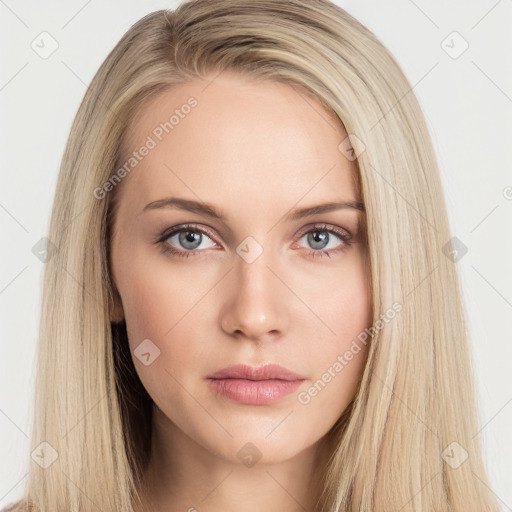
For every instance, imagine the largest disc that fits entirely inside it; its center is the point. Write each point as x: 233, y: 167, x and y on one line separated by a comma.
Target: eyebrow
x: 208, y: 210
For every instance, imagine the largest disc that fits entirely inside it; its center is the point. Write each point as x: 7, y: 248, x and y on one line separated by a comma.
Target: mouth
x: 255, y: 385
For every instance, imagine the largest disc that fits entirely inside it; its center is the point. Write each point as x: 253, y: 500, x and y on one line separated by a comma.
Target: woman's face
x: 249, y: 281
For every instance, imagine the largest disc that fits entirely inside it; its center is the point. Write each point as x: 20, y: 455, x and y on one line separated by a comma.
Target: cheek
x: 340, y: 363
x: 346, y: 305
x: 354, y: 317
x: 167, y: 308
x: 155, y: 298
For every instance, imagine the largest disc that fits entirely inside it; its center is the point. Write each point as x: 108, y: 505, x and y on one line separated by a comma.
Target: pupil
x: 319, y: 239
x: 190, y: 239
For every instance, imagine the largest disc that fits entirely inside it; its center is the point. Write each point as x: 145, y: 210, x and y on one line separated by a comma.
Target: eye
x: 184, y: 240
x: 322, y: 238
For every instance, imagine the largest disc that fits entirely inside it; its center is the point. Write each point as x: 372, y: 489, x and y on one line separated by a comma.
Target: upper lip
x: 263, y: 372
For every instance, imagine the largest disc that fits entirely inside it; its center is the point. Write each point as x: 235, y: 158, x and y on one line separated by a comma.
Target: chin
x: 256, y: 447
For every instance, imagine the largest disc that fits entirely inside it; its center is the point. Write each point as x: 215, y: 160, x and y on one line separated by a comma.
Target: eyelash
x: 167, y: 248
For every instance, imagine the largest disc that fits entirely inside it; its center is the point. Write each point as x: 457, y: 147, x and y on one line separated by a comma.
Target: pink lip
x: 258, y: 385
x: 263, y: 372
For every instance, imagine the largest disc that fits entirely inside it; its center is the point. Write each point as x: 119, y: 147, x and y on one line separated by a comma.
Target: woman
x: 251, y: 304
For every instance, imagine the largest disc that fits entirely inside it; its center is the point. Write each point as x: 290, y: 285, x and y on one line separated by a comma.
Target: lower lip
x: 255, y: 392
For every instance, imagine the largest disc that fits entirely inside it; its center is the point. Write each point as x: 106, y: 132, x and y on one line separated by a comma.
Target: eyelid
x: 184, y: 227
x: 341, y: 232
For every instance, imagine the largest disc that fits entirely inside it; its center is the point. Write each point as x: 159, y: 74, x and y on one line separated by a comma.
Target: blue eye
x: 322, y: 235
x: 190, y: 237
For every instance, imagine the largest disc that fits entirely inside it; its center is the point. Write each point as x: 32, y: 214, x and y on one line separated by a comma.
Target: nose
x: 255, y: 306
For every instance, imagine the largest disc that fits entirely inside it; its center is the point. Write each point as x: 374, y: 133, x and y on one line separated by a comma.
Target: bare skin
x: 256, y: 152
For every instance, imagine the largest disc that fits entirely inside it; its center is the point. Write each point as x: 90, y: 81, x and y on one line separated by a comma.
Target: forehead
x: 232, y: 138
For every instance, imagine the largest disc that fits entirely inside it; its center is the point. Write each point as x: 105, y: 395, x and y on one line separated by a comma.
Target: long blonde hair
x: 408, y: 441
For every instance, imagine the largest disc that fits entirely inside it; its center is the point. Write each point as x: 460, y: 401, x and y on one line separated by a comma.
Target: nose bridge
x: 254, y: 307
x: 254, y: 278
x: 251, y: 266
